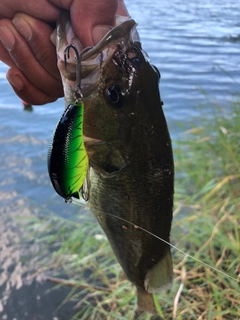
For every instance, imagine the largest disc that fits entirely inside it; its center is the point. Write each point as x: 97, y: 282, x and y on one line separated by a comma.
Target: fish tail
x: 145, y: 302
x: 159, y: 277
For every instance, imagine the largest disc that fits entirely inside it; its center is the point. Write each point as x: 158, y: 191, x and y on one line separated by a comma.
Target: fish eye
x: 115, y: 96
x: 157, y: 71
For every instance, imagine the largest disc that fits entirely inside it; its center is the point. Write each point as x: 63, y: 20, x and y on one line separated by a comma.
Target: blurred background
x: 195, y: 45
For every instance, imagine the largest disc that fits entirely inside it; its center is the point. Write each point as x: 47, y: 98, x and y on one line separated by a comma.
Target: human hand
x: 25, y: 40
x: 28, y: 51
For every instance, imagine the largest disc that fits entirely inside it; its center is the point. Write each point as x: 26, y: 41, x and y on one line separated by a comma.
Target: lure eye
x: 115, y: 96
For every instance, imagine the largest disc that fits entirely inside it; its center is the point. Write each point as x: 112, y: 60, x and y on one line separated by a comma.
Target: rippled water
x: 195, y: 44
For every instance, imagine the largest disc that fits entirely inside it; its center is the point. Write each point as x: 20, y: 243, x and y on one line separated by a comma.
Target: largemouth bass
x: 131, y: 171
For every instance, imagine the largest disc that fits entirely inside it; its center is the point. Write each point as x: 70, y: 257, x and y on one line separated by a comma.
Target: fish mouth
x: 124, y: 26
x: 95, y: 56
x: 115, y: 34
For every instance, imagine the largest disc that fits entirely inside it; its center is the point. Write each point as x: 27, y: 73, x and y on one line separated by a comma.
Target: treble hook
x: 78, y: 92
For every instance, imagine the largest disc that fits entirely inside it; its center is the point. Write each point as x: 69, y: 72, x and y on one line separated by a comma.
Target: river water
x: 195, y: 45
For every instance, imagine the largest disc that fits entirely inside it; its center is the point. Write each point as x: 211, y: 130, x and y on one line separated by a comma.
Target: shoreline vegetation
x: 206, y: 226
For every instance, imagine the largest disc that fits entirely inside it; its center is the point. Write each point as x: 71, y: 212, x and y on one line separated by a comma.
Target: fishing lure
x: 67, y: 156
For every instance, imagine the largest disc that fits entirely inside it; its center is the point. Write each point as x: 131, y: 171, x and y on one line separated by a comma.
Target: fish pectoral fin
x: 108, y: 168
x: 106, y: 171
x: 159, y: 277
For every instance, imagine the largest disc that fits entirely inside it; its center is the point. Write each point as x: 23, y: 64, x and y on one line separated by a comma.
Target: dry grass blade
x: 77, y: 285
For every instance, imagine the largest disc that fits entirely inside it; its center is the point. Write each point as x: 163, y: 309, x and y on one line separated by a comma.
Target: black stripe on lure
x: 67, y: 156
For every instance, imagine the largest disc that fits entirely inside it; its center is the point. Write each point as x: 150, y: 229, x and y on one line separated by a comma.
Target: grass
x: 206, y: 226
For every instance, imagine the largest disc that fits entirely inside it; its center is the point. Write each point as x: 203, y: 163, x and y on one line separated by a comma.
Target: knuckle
x: 22, y: 64
x: 43, y: 57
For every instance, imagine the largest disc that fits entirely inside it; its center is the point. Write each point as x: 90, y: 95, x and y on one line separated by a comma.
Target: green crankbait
x: 67, y: 156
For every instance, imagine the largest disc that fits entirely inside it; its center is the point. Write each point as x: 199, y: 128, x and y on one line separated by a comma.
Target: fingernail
x: 15, y: 81
x: 7, y: 38
x: 23, y: 27
x: 99, y: 32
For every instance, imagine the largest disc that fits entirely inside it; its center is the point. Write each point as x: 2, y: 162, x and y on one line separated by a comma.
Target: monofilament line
x: 174, y: 247
x: 171, y: 245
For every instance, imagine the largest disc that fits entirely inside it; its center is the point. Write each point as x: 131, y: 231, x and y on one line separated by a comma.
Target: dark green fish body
x: 130, y: 155
x: 133, y: 180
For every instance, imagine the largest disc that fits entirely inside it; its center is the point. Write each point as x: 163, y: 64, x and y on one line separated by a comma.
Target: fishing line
x: 176, y: 248
x: 171, y: 245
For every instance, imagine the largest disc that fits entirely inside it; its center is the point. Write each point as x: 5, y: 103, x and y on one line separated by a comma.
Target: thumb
x: 91, y: 20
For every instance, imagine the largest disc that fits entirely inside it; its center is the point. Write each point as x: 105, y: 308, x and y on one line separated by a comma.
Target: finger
x: 91, y: 20
x: 96, y: 19
x: 64, y: 4
x: 41, y: 9
x: 25, y: 60
x: 4, y: 55
x: 37, y: 35
x: 122, y: 9
x: 26, y: 90
x: 9, y: 41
